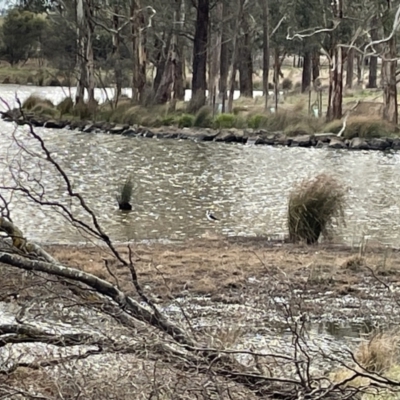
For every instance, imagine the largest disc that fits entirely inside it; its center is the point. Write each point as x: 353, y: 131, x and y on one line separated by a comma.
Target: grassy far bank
x: 293, y: 120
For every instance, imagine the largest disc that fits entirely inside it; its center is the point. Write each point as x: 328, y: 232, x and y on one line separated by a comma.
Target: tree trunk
x: 81, y: 56
x: 373, y: 73
x: 89, y: 50
x: 179, y: 70
x: 138, y: 52
x: 224, y: 61
x: 234, y: 60
x: 160, y: 58
x: 373, y: 65
x: 164, y: 88
x: 266, y: 51
x: 276, y: 76
x: 336, y: 70
x: 306, y: 76
x: 199, y: 79
x: 116, y: 55
x: 359, y: 70
x: 168, y: 82
x: 245, y: 63
x: 389, y: 68
x: 350, y: 68
x: 315, y: 65
x: 215, y: 55
x: 338, y: 85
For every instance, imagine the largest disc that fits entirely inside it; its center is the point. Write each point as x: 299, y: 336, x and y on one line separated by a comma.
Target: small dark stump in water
x: 125, y: 206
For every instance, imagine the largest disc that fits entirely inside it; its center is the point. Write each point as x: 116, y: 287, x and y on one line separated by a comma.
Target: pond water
x: 177, y: 181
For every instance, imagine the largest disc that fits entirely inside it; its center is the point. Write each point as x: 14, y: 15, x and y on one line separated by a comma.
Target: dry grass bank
x: 212, y: 266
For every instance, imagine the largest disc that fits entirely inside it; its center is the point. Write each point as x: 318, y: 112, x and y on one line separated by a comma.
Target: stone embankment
x: 243, y: 136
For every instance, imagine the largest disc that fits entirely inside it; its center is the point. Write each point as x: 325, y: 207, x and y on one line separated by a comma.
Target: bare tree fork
x: 343, y: 128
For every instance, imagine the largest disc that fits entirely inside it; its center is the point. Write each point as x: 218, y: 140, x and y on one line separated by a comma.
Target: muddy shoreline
x: 242, y: 136
x: 251, y: 278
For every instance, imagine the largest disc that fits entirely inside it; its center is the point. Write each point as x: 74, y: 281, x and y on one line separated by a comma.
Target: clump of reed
x: 314, y: 205
x: 124, y: 194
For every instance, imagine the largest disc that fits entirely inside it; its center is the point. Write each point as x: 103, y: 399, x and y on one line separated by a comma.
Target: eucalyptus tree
x: 200, y: 43
x: 22, y: 33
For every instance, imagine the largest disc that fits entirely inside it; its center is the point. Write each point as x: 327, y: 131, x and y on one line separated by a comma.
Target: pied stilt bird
x: 210, y: 216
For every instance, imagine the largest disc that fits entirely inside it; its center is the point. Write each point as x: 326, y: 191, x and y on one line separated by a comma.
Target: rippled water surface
x: 177, y: 181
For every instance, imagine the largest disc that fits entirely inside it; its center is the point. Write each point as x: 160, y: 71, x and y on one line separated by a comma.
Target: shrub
x: 186, y: 121
x: 361, y: 126
x: 203, y: 118
x: 225, y: 121
x: 257, y: 121
x: 34, y: 100
x: 65, y: 106
x: 313, y: 206
x: 287, y: 84
x: 125, y: 194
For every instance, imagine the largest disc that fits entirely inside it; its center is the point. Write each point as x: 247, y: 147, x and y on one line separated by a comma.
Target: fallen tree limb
x: 126, y: 303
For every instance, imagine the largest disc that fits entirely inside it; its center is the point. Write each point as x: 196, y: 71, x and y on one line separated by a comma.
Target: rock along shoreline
x: 243, y: 136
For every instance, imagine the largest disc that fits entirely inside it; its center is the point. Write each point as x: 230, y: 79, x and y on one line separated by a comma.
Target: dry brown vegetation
x: 217, y: 266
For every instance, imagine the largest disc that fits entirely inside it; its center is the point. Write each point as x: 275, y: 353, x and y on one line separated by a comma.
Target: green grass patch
x: 186, y: 121
x: 257, y: 121
x: 225, y: 121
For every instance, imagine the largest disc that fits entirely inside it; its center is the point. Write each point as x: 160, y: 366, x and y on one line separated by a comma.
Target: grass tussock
x: 124, y: 194
x: 380, y: 353
x: 314, y: 205
x: 65, y: 106
x: 44, y: 110
x: 366, y: 127
x: 33, y: 100
x: 203, y: 117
